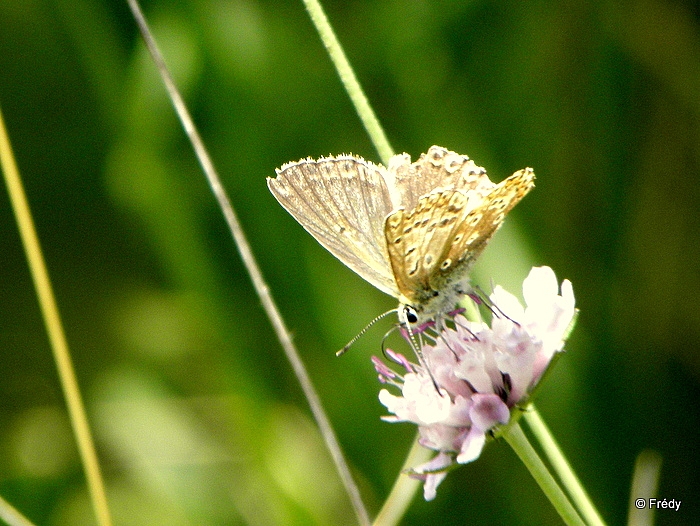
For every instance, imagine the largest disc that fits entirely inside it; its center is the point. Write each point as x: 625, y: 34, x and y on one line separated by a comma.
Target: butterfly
x: 413, y: 230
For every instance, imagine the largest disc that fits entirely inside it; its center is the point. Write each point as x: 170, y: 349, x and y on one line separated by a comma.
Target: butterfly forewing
x: 435, y: 244
x: 480, y: 223
x: 342, y: 202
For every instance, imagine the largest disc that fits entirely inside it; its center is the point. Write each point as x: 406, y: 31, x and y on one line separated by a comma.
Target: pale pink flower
x: 475, y: 374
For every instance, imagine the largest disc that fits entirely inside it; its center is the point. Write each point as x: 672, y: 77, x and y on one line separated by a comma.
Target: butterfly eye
x: 410, y: 314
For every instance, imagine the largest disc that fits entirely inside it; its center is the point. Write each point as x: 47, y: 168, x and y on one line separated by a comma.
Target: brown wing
x: 342, y: 202
x: 419, y: 241
x: 481, y: 223
x: 438, y: 169
x: 437, y: 241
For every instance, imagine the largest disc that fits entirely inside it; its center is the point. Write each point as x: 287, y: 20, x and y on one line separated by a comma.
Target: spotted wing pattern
x: 481, y: 223
x: 436, y: 242
x: 438, y: 169
x: 412, y: 230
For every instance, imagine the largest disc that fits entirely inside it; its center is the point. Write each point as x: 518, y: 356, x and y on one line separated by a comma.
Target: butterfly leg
x: 480, y: 297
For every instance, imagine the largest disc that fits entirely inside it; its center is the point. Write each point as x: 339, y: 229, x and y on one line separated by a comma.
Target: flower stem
x: 562, y: 467
x: 54, y: 327
x: 11, y: 516
x: 515, y: 437
x: 645, y: 484
x: 349, y: 80
x: 404, y: 489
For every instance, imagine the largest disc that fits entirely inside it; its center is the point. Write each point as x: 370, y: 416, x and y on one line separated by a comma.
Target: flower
x: 473, y: 375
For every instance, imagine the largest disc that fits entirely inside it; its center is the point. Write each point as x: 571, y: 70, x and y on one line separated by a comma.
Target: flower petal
x: 472, y: 446
x: 540, y: 287
x: 475, y: 373
x: 487, y: 411
x: 432, y: 473
x: 431, y: 484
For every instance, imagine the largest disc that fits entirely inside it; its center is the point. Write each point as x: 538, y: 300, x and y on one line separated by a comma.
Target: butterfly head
x: 408, y: 315
x: 430, y: 307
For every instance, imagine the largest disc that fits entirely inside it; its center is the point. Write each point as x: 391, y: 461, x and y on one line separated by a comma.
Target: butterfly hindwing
x: 438, y: 169
x: 435, y: 244
x: 419, y: 242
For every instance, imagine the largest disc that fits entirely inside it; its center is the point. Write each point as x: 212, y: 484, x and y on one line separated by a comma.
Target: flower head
x: 474, y: 374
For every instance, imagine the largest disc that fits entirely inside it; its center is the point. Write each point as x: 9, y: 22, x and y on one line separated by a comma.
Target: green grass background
x: 197, y: 416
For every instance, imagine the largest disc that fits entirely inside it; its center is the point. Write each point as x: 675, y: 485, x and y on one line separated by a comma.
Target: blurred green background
x: 197, y: 415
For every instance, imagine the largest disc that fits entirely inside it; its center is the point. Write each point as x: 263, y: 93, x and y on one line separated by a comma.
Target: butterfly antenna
x: 347, y: 346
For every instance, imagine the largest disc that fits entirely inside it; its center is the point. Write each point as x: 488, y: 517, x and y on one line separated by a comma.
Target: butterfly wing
x: 419, y: 240
x: 479, y: 224
x: 438, y: 169
x: 342, y: 202
x: 436, y: 243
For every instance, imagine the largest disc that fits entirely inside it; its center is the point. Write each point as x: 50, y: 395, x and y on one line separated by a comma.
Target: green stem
x: 11, y: 516
x: 562, y: 467
x: 645, y: 485
x: 404, y: 489
x: 251, y: 265
x: 54, y: 327
x: 349, y: 80
x: 518, y: 441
